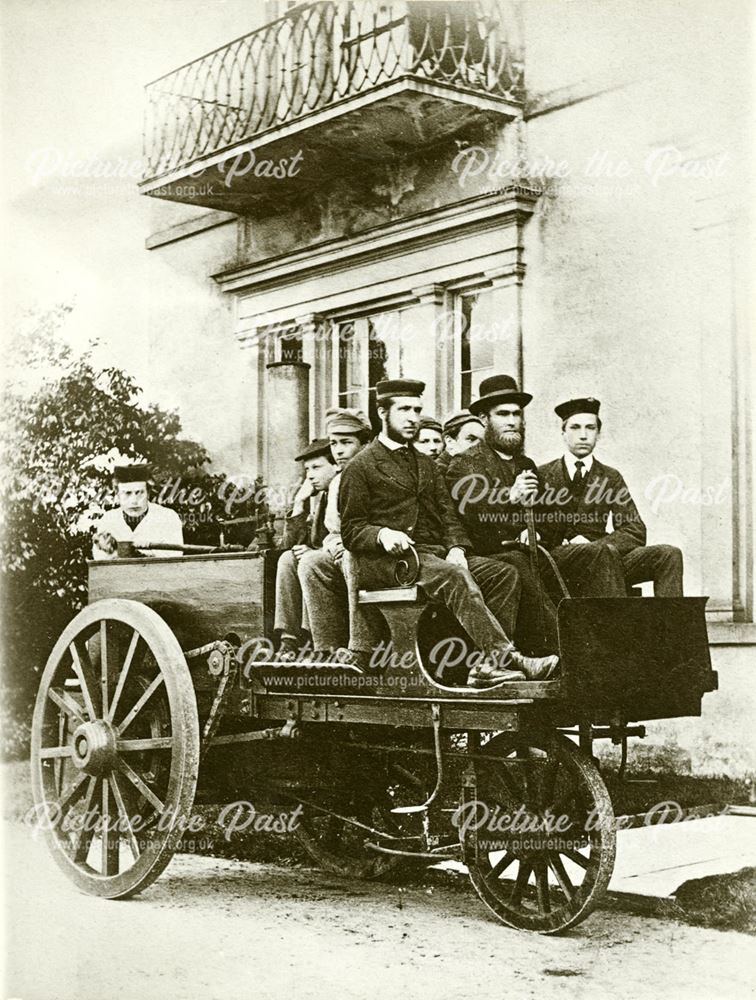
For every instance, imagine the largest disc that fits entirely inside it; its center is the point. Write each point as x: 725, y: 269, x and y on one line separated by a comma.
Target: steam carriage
x: 159, y: 694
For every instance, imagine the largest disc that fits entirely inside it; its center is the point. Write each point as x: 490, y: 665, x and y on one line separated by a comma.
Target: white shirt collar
x: 570, y: 461
x: 391, y: 445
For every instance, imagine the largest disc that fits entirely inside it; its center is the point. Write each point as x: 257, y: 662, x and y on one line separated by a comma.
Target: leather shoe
x: 535, y: 668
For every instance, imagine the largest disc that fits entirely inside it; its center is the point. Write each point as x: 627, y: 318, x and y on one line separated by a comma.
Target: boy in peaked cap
x: 321, y: 571
x: 592, y: 493
x: 303, y: 533
x: 136, y: 519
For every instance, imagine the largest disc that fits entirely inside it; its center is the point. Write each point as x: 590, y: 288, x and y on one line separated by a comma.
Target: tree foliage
x: 64, y: 419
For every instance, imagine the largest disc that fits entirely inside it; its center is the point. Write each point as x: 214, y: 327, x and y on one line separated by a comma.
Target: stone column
x: 287, y: 407
x: 426, y: 350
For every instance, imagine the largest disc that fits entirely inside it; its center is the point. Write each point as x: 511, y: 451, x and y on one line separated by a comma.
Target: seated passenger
x: 304, y: 531
x: 321, y: 570
x: 136, y: 519
x: 594, y: 491
x: 429, y: 440
x: 491, y: 483
x: 461, y: 431
x: 391, y: 497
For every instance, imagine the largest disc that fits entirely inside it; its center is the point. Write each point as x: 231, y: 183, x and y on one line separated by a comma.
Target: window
x: 479, y: 327
x: 370, y: 349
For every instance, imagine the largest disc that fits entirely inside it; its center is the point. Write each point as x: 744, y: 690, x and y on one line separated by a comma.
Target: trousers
x: 291, y: 612
x: 453, y: 586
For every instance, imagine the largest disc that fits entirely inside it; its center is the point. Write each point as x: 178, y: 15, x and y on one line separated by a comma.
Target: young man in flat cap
x: 320, y: 570
x: 392, y: 498
x: 592, y: 492
x: 493, y: 484
x: 303, y: 532
x: 461, y: 431
x: 429, y: 440
x: 136, y: 519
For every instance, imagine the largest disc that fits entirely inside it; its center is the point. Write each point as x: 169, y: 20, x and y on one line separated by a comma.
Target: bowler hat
x: 498, y: 389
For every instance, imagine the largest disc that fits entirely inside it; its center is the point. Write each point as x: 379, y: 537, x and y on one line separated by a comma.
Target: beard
x: 510, y: 442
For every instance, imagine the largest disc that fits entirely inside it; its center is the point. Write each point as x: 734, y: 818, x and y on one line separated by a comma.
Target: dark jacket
x: 604, y: 492
x: 377, y: 492
x: 484, y: 478
x: 307, y: 529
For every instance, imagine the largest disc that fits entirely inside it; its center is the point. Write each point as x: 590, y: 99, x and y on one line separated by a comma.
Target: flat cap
x: 430, y: 423
x: 399, y: 387
x: 137, y: 473
x: 456, y: 420
x: 343, y: 420
x: 316, y: 448
x: 586, y: 404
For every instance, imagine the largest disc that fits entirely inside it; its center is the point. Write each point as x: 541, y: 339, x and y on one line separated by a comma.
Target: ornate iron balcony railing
x: 315, y: 56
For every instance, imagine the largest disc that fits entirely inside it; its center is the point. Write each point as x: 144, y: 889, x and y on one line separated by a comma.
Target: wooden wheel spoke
x: 140, y: 785
x: 66, y: 704
x: 83, y: 836
x: 127, y: 663
x: 561, y: 875
x: 124, y: 816
x: 549, y: 783
x: 108, y: 664
x: 542, y: 888
x: 72, y: 796
x: 142, y: 701
x: 149, y: 743
x: 523, y: 874
x: 500, y: 867
x: 110, y: 838
x: 82, y: 666
x: 55, y: 753
x: 577, y: 858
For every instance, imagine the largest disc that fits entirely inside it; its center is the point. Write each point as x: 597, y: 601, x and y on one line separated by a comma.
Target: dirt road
x: 213, y: 928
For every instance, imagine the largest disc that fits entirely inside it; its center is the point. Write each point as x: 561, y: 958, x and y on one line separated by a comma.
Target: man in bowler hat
x: 493, y: 485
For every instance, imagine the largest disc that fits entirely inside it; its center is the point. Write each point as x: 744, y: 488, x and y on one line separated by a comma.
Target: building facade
x: 355, y: 191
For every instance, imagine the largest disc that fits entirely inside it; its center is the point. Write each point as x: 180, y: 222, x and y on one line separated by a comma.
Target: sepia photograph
x: 376, y: 499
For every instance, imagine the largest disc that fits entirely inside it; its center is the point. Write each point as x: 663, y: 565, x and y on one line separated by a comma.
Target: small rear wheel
x: 115, y: 748
x: 537, y: 830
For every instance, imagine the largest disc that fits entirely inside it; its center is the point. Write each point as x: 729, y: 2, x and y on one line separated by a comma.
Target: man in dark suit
x: 304, y: 530
x: 586, y: 494
x: 493, y: 485
x: 390, y: 498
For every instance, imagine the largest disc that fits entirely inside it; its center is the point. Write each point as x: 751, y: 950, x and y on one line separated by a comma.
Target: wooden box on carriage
x: 202, y: 598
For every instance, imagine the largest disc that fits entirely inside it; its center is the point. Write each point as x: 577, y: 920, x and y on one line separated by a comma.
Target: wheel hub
x: 94, y: 747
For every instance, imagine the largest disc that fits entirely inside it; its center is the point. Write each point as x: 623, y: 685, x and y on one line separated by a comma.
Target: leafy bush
x: 64, y: 421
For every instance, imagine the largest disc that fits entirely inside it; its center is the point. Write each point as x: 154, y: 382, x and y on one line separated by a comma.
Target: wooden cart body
x: 165, y: 688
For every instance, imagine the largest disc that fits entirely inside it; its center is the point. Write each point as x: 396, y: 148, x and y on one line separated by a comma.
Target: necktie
x: 577, y: 482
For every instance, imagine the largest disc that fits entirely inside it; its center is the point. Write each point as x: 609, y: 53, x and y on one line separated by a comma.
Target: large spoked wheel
x: 115, y: 748
x: 537, y: 831
x: 339, y: 845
